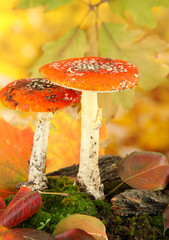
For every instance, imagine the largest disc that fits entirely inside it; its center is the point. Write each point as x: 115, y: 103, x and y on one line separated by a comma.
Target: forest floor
x: 133, y: 226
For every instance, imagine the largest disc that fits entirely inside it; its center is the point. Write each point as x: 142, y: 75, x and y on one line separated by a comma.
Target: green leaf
x: 116, y: 41
x: 55, y: 4
x: 126, y: 98
x: 41, y: 227
x: 72, y: 44
x: 48, y: 220
x: 48, y: 4
x: 118, y: 7
x: 29, y: 3
x: 140, y: 10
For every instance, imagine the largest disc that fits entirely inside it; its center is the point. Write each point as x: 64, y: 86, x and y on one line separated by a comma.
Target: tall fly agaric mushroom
x: 91, y: 75
x: 44, y: 97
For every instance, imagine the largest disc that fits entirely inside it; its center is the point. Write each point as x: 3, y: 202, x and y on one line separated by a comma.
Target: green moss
x: 137, y: 227
x: 40, y: 216
x: 63, y: 184
x: 8, y: 199
x: 157, y: 222
x: 57, y: 207
x: 103, y: 208
x: 69, y: 201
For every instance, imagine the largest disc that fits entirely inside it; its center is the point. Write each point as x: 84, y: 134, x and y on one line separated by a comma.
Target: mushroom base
x: 89, y: 175
x: 37, y: 179
x: 93, y: 189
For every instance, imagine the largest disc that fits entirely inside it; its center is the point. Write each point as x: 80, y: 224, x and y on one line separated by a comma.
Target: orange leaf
x: 64, y: 141
x: 89, y: 224
x: 145, y: 170
x: 15, y: 150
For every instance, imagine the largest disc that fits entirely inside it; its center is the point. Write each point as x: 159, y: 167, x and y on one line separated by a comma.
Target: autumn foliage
x: 15, y: 152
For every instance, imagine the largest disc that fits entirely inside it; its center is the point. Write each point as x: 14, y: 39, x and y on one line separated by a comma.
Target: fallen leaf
x: 24, y: 204
x: 24, y: 233
x: 145, y: 170
x: 2, y: 206
x: 2, y: 203
x: 89, y: 224
x: 165, y: 215
x: 74, y: 234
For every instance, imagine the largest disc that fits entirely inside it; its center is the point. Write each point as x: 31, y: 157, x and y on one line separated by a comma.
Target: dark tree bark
x: 108, y: 169
x: 135, y: 202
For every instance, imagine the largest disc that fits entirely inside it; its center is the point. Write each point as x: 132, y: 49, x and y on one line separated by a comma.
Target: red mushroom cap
x: 92, y: 74
x: 37, y: 95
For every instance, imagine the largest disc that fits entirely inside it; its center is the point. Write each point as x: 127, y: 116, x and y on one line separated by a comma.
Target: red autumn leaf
x: 74, y: 234
x: 1, y: 212
x: 15, y: 145
x: 165, y: 215
x: 2, y: 203
x: 25, y: 203
x: 2, y: 206
x: 22, y: 234
x: 5, y: 193
x: 145, y: 170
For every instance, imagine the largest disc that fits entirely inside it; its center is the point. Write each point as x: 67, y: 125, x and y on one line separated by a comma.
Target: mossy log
x: 128, y: 202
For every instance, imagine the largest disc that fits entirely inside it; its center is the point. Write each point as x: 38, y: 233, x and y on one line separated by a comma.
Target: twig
x: 63, y: 194
x: 54, y: 193
x: 114, y: 189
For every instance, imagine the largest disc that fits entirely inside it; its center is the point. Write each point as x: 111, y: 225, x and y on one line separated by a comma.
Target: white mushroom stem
x: 89, y: 175
x: 37, y: 178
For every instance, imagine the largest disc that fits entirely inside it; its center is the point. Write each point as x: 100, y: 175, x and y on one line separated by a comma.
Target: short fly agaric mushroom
x: 91, y: 75
x: 44, y: 97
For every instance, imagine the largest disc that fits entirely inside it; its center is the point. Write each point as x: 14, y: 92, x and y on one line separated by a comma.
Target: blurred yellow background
x: 23, y: 33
